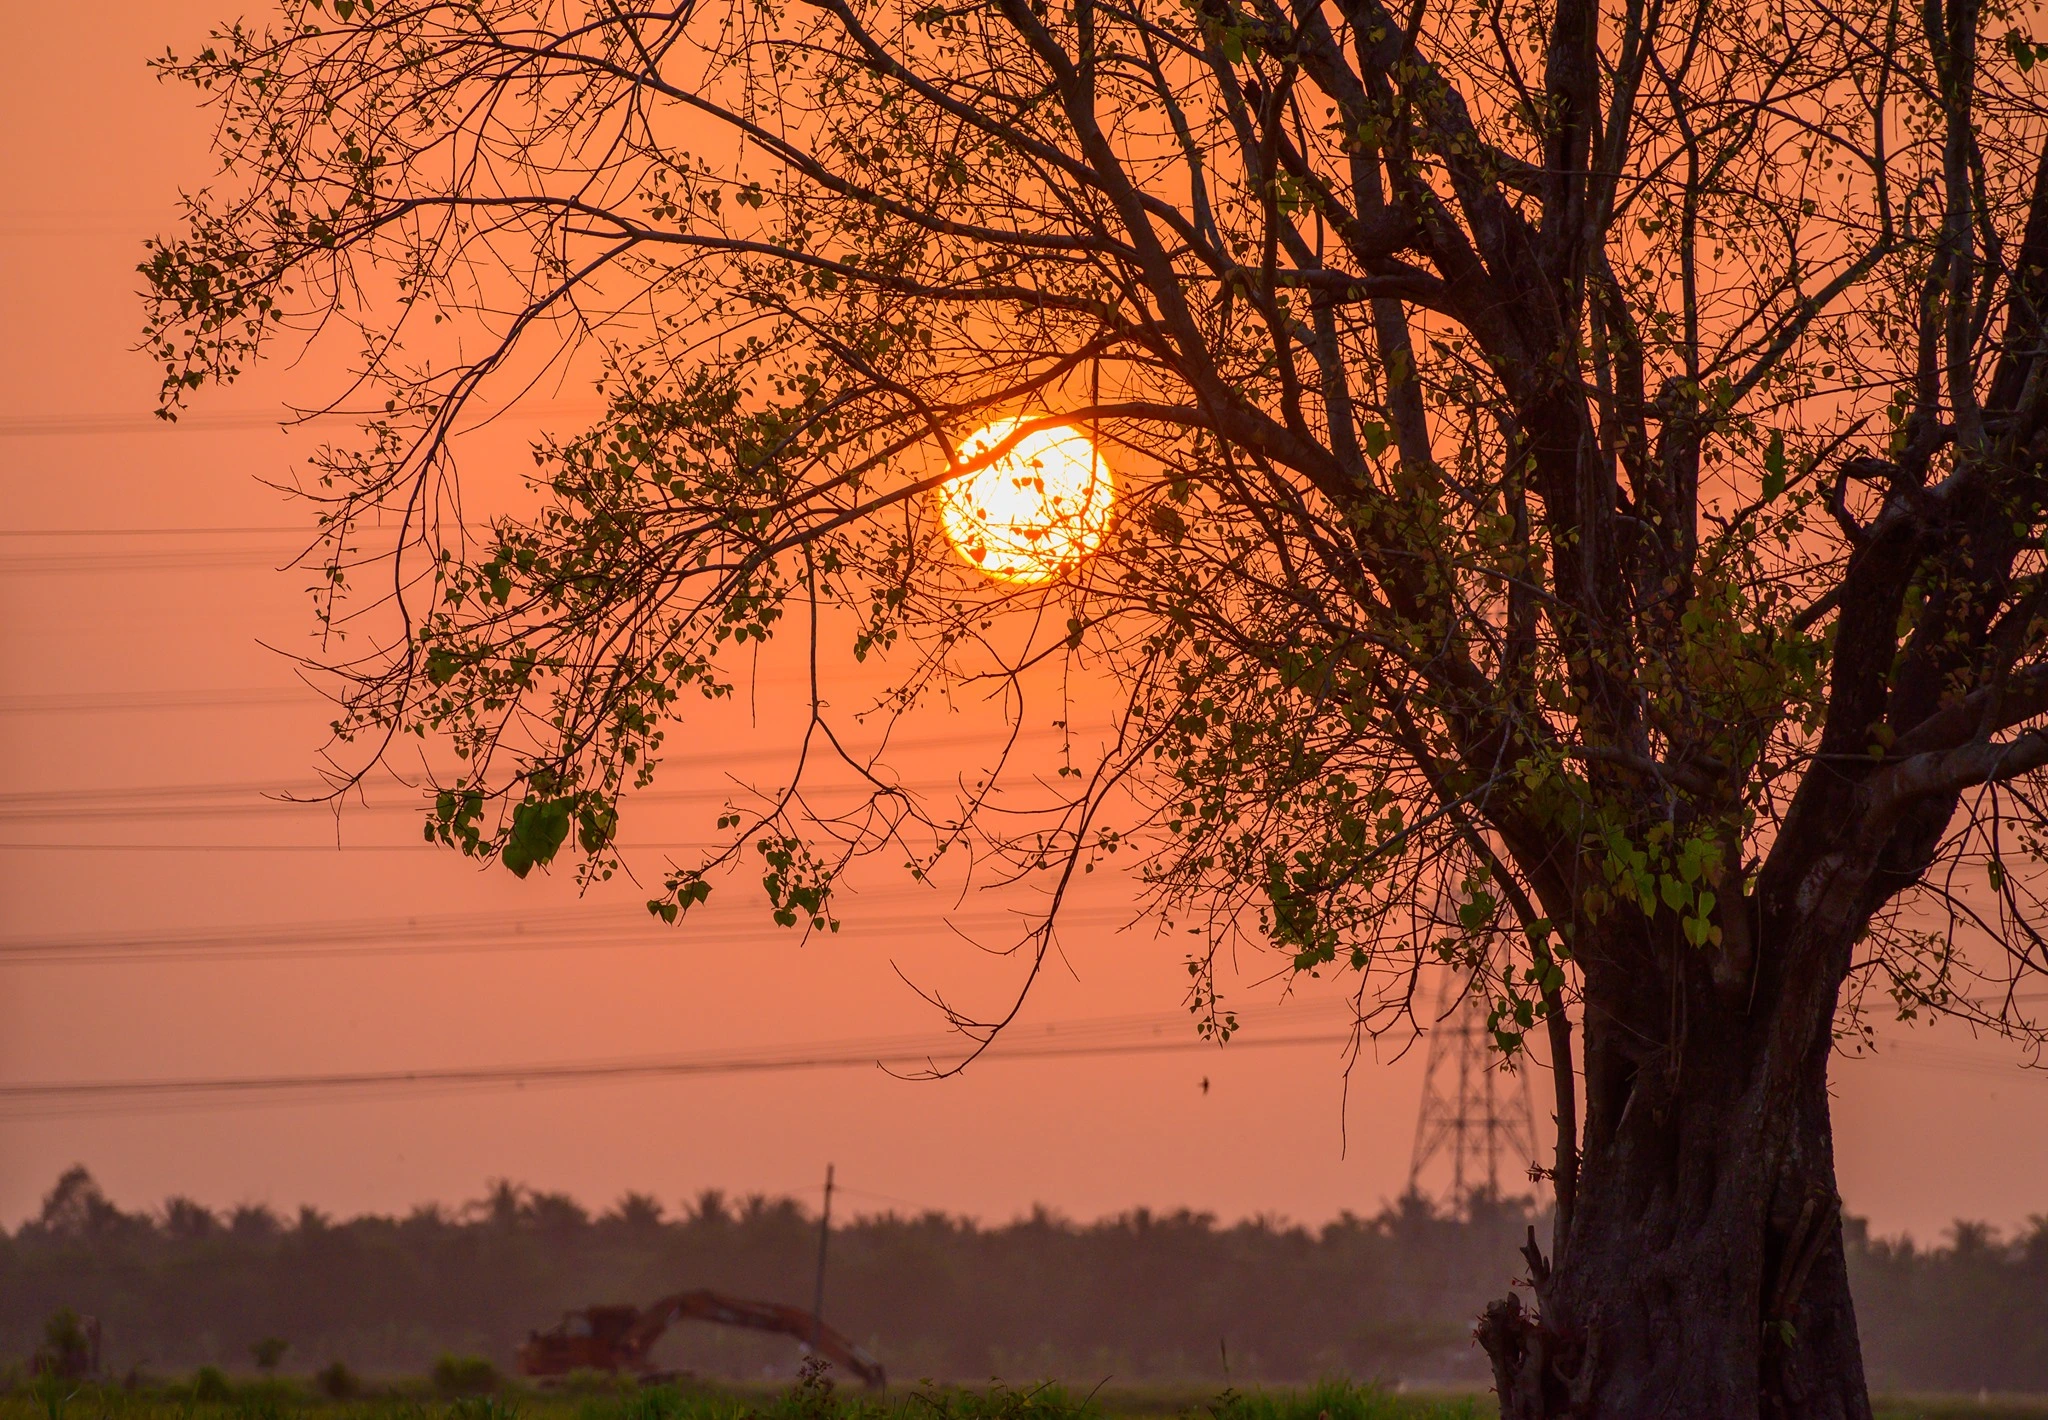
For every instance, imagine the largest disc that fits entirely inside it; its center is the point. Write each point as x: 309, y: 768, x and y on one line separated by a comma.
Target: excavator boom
x: 615, y: 1338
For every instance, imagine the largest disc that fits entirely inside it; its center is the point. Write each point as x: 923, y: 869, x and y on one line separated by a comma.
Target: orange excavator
x: 618, y: 1338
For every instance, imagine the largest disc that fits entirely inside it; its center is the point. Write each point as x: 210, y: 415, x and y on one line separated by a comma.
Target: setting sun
x: 1035, y: 512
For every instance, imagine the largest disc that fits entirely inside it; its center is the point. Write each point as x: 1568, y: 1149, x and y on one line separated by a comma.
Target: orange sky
x: 97, y: 627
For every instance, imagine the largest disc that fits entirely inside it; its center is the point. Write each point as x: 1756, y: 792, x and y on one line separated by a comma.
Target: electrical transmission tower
x: 1472, y: 1111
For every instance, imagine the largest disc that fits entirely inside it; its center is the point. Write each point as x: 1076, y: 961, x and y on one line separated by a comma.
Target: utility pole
x: 824, y: 1237
x: 1482, y: 1117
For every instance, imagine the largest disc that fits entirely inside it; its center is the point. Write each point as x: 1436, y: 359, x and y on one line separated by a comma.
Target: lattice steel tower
x: 1481, y: 1118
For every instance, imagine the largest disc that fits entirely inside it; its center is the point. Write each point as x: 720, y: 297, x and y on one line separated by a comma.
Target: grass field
x: 213, y: 1397
x: 283, y: 1400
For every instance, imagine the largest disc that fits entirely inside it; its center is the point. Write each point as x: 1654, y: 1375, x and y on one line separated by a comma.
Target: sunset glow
x: 1034, y: 513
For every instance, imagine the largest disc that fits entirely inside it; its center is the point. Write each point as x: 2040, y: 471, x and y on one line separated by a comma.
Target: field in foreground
x: 211, y: 1399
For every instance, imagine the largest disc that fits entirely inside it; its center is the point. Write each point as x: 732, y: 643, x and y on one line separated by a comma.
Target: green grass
x: 599, y: 1398
x: 1340, y: 1400
x: 1959, y: 1407
x: 603, y: 1398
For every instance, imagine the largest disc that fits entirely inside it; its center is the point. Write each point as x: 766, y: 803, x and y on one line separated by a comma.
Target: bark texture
x: 1699, y: 1271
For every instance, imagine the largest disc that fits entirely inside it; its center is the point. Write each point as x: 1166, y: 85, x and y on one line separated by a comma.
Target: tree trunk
x: 1700, y: 1274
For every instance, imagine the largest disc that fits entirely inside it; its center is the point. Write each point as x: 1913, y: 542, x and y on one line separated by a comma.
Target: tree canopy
x: 1145, y: 1295
x: 1578, y: 506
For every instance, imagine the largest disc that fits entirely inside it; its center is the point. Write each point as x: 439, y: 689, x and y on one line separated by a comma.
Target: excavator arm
x: 704, y: 1305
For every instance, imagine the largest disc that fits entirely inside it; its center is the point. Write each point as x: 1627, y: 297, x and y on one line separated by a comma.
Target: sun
x: 1036, y: 512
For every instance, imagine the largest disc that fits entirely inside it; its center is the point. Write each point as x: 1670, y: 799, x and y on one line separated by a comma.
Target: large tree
x: 1579, y: 506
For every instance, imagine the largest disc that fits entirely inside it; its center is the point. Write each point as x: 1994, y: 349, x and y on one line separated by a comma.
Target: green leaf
x: 516, y: 856
x: 1477, y: 913
x: 442, y: 665
x: 596, y: 822
x: 539, y: 828
x: 1774, y: 466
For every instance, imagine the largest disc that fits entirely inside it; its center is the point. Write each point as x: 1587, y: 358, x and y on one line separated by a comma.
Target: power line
x: 18, y: 426
x: 226, y: 807
x: 240, y: 805
x: 153, y: 560
x: 1107, y: 1036
x: 67, y: 1099
x: 1951, y: 1060
x: 70, y: 224
x: 414, y: 847
x: 366, y: 928
x: 25, y: 426
x: 278, y: 557
x: 273, y: 529
x: 881, y: 1197
x: 362, y: 545
x: 123, y: 701
x: 569, y: 930
x: 214, y: 800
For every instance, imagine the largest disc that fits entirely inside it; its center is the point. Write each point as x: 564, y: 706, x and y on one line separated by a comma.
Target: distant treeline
x: 1140, y: 1297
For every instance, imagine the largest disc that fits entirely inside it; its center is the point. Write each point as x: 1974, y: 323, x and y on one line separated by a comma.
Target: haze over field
x: 1170, y: 1298
x: 137, y: 572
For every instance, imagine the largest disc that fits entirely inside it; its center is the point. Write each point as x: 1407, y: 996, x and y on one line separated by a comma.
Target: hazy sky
x: 136, y: 662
